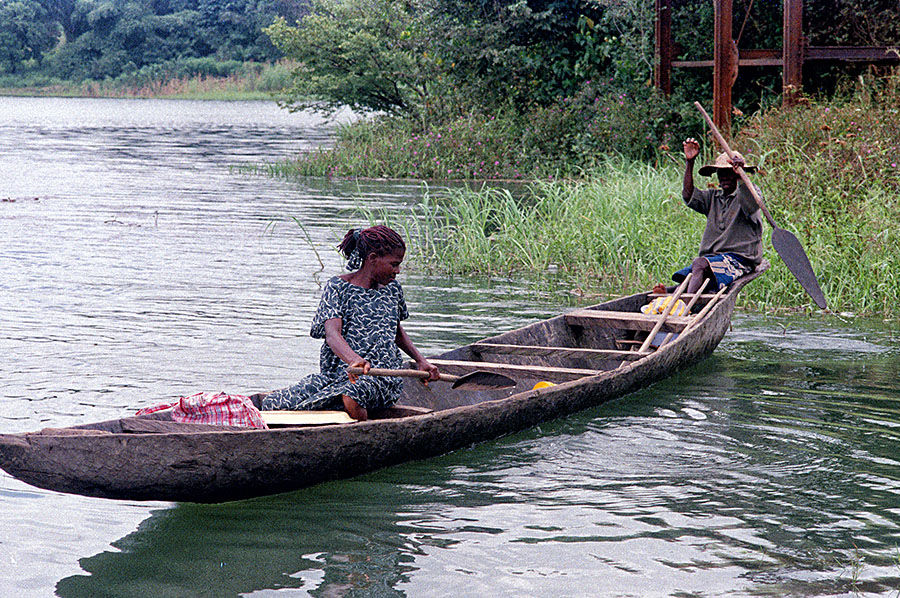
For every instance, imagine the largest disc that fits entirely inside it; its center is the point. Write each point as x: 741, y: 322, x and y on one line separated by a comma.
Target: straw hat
x: 722, y: 162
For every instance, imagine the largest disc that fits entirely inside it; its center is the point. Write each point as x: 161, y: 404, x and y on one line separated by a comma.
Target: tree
x: 60, y: 11
x: 25, y: 33
x: 368, y: 54
x: 523, y: 51
x: 413, y: 56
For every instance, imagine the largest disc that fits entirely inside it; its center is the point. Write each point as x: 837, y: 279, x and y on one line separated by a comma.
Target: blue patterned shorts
x: 726, y: 267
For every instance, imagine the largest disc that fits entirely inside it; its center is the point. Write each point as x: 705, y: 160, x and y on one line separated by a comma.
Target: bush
x: 601, y: 121
x: 562, y: 139
x: 472, y: 146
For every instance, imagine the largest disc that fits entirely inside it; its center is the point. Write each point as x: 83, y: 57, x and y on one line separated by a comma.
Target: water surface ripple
x: 137, y: 266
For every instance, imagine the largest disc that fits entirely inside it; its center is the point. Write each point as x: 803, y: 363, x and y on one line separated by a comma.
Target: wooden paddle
x: 477, y: 380
x: 786, y: 244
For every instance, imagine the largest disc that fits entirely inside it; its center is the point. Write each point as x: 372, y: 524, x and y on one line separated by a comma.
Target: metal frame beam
x: 790, y: 57
x: 723, y: 67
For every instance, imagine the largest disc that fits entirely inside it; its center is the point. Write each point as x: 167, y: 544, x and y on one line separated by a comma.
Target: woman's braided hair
x: 378, y: 240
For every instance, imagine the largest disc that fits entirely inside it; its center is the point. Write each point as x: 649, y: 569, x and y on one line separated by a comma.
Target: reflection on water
x: 703, y: 483
x: 137, y: 266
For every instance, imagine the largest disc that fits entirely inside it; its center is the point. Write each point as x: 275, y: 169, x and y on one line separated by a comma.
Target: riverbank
x: 829, y: 172
x: 625, y: 227
x: 185, y: 80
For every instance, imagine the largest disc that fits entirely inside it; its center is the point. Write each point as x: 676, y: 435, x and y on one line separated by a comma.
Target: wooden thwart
x: 542, y: 351
x: 688, y: 296
x: 624, y: 319
x: 530, y: 371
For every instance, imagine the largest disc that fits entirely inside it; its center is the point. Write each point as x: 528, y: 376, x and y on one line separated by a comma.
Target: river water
x: 138, y: 266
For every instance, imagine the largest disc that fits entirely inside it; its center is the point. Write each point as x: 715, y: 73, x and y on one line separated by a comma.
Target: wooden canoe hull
x: 215, y: 465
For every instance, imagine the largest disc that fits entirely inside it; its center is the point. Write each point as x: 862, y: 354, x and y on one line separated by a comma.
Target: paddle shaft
x: 739, y: 170
x: 477, y: 380
x: 688, y: 308
x: 709, y: 305
x: 402, y: 374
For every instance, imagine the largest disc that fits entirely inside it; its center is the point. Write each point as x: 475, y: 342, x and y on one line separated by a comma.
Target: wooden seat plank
x: 306, y: 418
x: 542, y: 351
x: 624, y: 320
x: 688, y: 296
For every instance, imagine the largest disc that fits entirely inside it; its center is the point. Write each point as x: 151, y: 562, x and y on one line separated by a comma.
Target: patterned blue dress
x: 370, y: 318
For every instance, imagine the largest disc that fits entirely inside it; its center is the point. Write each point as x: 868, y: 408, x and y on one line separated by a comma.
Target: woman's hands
x: 360, y: 363
x: 426, y: 366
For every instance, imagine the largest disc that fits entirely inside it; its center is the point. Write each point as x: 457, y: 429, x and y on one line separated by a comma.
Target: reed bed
x: 829, y: 173
x: 625, y: 228
x: 622, y: 228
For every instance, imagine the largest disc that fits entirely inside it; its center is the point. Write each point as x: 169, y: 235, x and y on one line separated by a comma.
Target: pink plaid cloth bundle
x: 217, y: 409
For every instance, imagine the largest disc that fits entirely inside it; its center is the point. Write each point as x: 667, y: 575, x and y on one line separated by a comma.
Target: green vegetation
x: 532, y: 88
x: 192, y: 78
x: 834, y: 168
x: 175, y: 47
x: 552, y: 92
x: 544, y: 143
x: 558, y: 93
x: 830, y: 173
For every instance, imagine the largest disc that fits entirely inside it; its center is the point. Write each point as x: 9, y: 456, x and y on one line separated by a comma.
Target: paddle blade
x: 790, y: 250
x: 483, y: 381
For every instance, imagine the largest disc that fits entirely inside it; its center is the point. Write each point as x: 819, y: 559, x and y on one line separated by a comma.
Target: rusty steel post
x: 723, y: 67
x: 792, y: 51
x: 662, y: 74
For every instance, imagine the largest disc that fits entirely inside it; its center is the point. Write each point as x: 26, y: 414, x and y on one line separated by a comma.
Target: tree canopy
x: 408, y: 56
x: 96, y: 39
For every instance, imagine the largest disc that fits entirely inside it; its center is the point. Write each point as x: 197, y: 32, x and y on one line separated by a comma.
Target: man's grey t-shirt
x: 733, y: 223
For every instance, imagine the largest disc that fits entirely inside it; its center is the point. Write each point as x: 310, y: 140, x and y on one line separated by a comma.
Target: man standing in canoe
x: 732, y: 241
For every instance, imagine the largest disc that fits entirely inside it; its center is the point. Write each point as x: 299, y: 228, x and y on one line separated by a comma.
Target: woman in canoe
x: 359, y: 317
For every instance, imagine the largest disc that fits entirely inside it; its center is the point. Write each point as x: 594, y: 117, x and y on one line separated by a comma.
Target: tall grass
x: 471, y: 146
x: 623, y: 228
x: 830, y: 173
x: 833, y: 175
x: 626, y: 228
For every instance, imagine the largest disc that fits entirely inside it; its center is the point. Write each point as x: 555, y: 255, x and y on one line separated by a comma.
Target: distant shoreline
x: 252, y: 82
x: 232, y: 95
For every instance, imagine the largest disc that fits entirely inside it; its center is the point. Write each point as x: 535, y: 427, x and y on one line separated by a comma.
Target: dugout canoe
x: 592, y: 355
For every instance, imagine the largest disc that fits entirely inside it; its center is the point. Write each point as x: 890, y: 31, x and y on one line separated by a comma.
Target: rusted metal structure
x: 727, y: 58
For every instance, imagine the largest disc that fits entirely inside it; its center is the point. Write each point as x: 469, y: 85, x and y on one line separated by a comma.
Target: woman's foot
x: 354, y: 410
